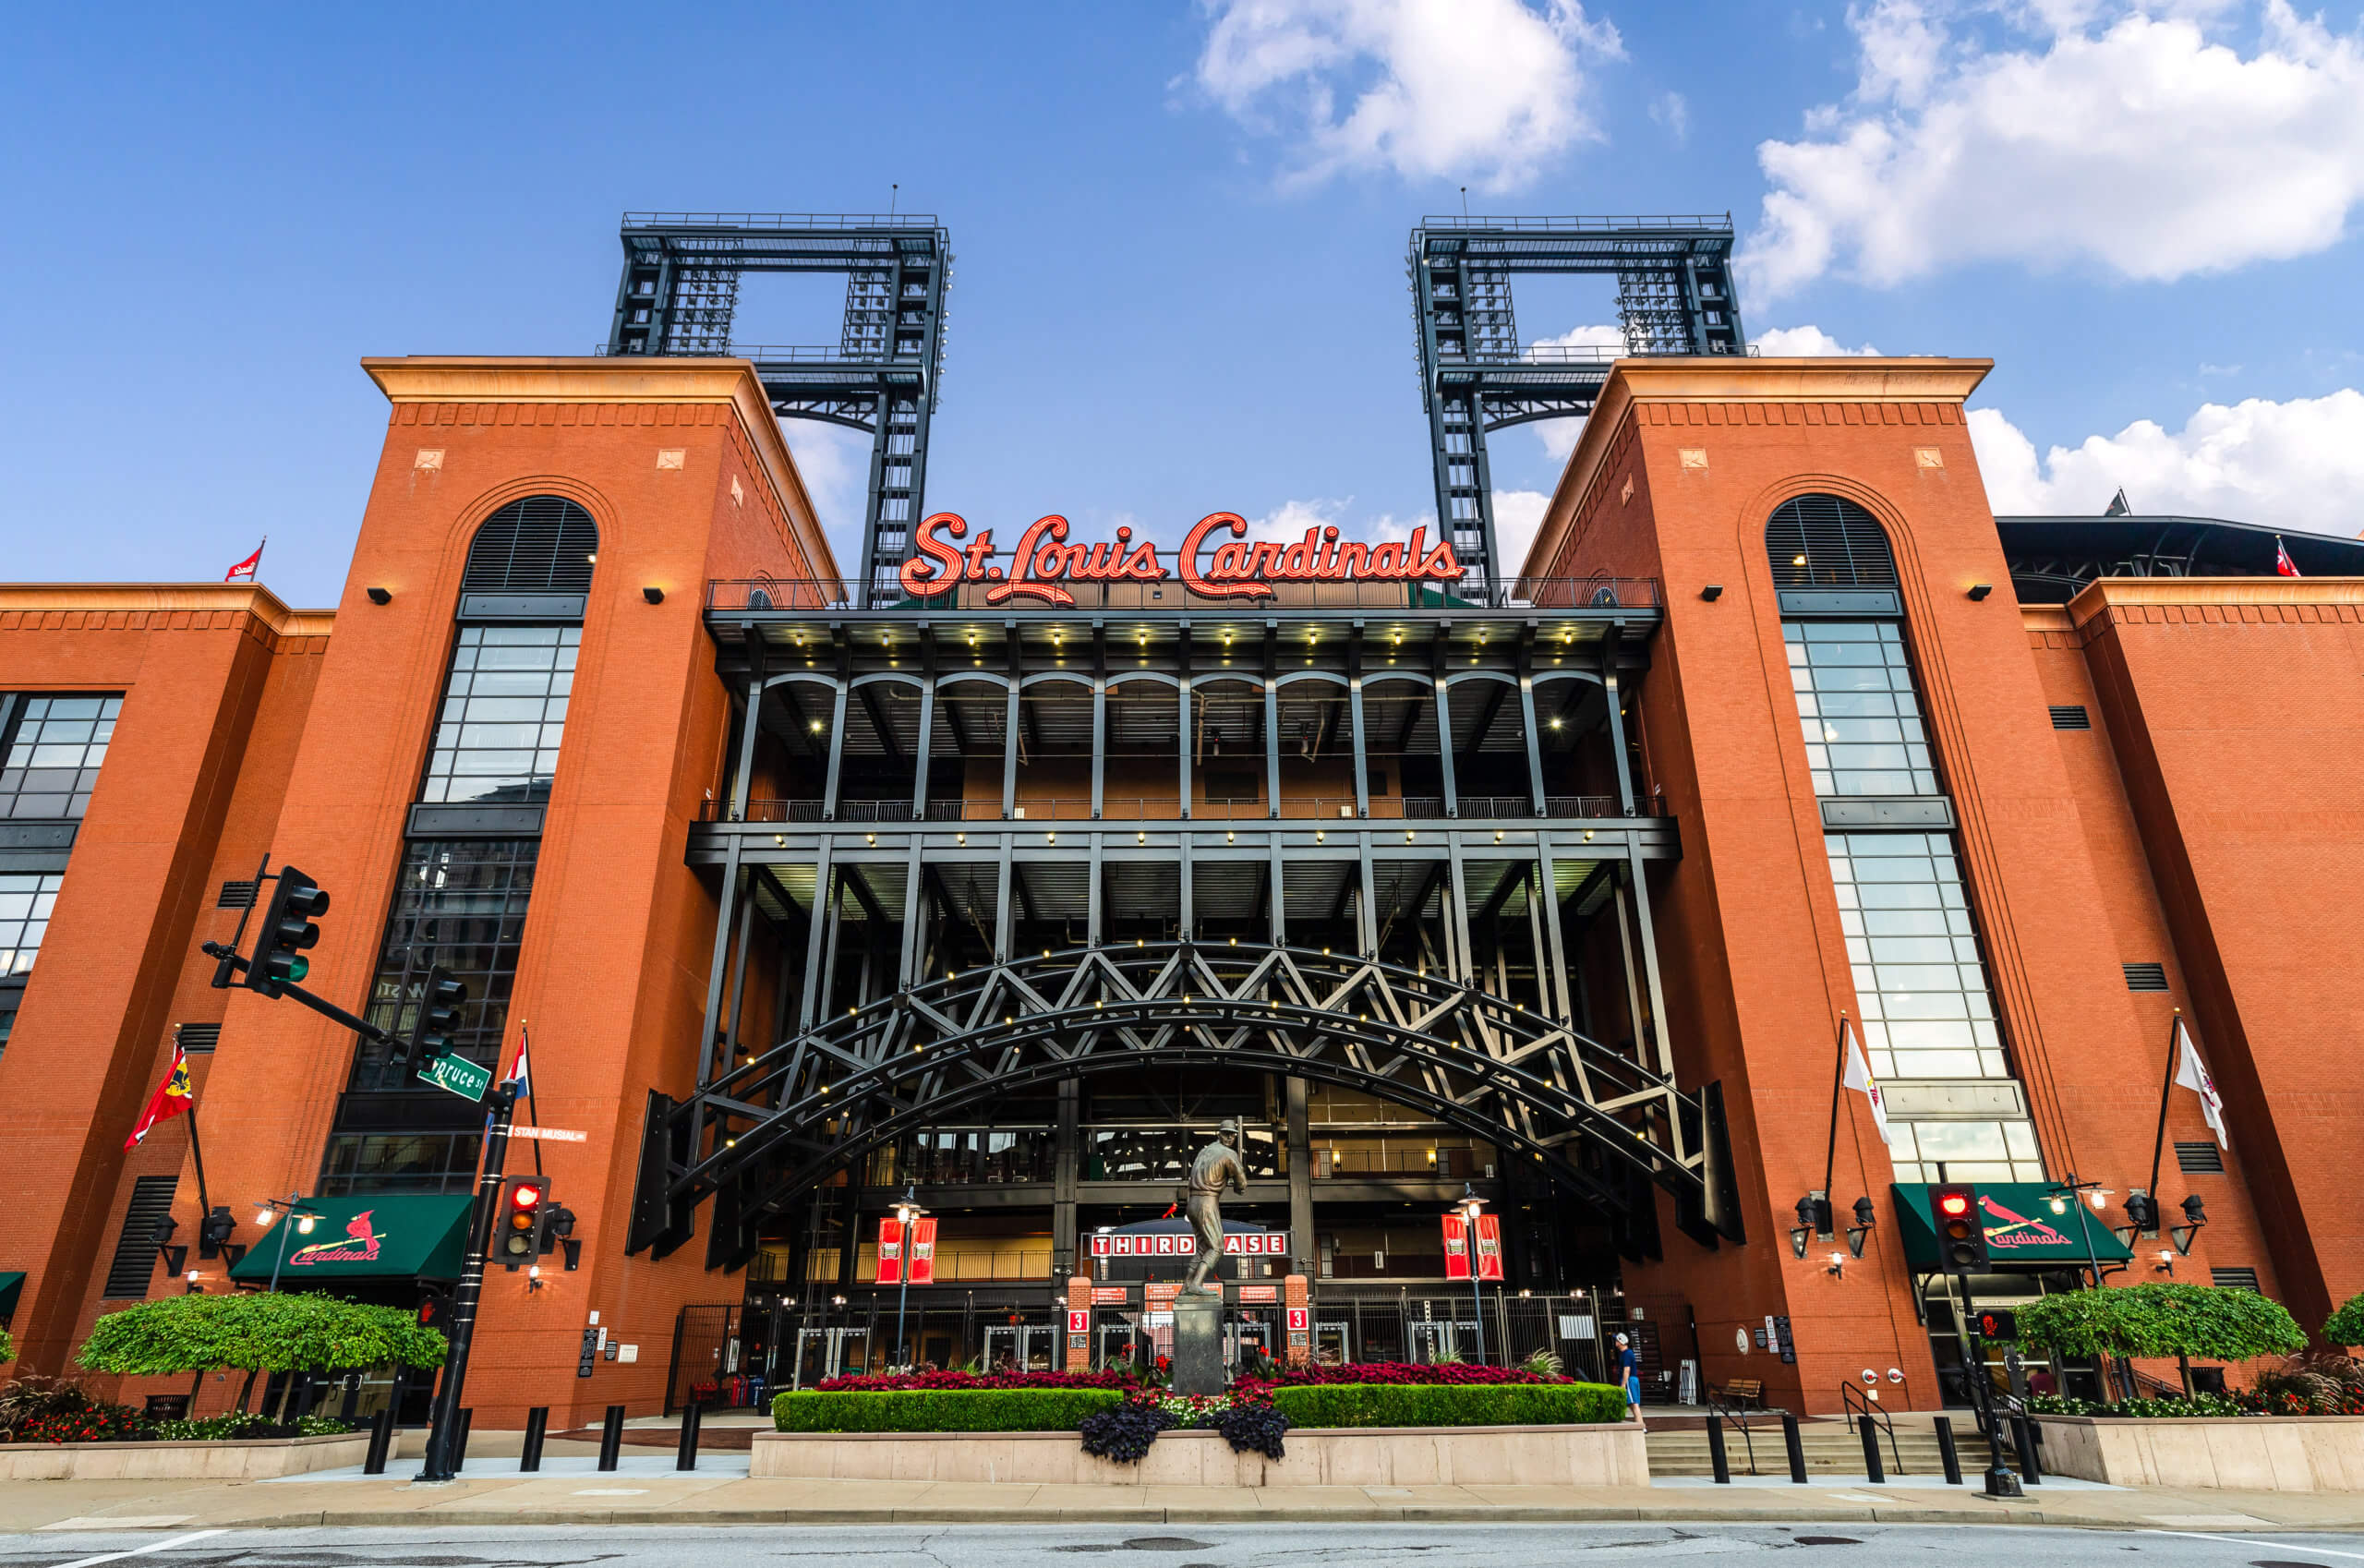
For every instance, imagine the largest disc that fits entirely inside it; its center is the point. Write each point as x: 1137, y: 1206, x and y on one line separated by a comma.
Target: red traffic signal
x: 1961, y: 1234
x: 1953, y: 1204
x: 514, y: 1221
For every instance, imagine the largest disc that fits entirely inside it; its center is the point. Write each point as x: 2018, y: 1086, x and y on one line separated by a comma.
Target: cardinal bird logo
x: 360, y: 1244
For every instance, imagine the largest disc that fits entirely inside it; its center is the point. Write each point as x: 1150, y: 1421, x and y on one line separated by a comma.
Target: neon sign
x: 1234, y: 568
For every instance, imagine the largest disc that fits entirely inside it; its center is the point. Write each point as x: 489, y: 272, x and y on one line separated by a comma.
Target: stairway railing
x: 1854, y: 1400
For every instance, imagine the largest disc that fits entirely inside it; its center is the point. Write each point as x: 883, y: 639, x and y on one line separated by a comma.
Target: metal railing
x: 757, y: 595
x: 775, y: 354
x: 1168, y: 808
x: 782, y: 219
x: 1854, y: 1400
x: 1581, y: 225
x: 1719, y: 1405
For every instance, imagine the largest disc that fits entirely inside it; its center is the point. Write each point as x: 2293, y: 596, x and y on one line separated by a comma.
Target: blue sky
x: 1179, y: 234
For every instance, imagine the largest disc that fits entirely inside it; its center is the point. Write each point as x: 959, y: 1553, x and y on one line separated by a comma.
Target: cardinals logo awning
x: 380, y: 1235
x: 2022, y: 1229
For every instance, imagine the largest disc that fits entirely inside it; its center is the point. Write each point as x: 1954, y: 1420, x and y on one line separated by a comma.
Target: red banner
x: 1456, y: 1249
x: 890, y: 1252
x: 1490, y: 1247
x: 923, y: 1251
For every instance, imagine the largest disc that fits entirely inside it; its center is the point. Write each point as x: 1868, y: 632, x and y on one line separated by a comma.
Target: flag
x: 2192, y: 1073
x: 890, y: 1250
x: 1859, y: 1076
x: 172, y: 1097
x: 248, y: 567
x: 922, y: 1249
x: 2118, y: 506
x: 517, y: 1070
x: 2283, y: 565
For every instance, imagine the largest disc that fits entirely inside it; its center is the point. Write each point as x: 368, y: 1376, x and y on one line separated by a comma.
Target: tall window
x: 1856, y: 703
x: 1926, y: 1010
x: 460, y: 903
x: 25, y: 901
x: 53, y: 749
x: 496, y: 741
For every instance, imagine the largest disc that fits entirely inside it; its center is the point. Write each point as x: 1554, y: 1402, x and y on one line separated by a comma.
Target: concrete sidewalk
x: 641, y: 1497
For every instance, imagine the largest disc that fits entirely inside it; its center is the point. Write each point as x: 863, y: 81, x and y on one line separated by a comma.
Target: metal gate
x: 1035, y: 1347
x: 821, y: 1353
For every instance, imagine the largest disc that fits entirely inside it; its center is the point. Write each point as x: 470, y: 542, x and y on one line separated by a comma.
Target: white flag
x: 2192, y: 1073
x: 1859, y: 1076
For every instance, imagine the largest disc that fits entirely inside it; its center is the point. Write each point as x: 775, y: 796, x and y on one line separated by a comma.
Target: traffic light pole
x: 443, y: 1440
x: 2000, y: 1480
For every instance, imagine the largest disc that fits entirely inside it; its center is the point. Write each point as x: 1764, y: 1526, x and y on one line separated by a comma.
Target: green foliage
x: 268, y: 1332
x: 7, y: 1348
x: 243, y: 1424
x: 2343, y: 1327
x: 54, y: 1410
x: 943, y: 1410
x: 2161, y: 1320
x: 1490, y: 1404
x: 2163, y: 1407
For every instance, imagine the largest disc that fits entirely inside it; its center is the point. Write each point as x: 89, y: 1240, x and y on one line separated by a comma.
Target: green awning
x: 12, y: 1285
x: 2022, y: 1229
x: 377, y: 1237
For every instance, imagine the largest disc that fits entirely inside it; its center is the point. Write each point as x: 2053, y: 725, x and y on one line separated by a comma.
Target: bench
x: 1745, y: 1392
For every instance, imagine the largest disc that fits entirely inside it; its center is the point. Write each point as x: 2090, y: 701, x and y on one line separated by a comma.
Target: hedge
x: 2343, y: 1327
x: 1497, y: 1404
x: 2161, y: 1320
x: 943, y: 1410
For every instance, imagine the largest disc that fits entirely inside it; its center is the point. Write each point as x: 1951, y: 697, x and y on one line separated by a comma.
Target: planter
x: 231, y: 1460
x: 1606, y: 1455
x: 2253, y: 1453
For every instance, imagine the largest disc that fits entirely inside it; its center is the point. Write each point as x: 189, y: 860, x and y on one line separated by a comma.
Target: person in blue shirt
x: 1629, y: 1372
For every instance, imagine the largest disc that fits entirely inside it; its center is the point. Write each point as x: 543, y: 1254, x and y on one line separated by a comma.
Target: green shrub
x: 1493, y: 1404
x: 2161, y: 1320
x: 943, y: 1410
x: 7, y: 1348
x: 2343, y: 1327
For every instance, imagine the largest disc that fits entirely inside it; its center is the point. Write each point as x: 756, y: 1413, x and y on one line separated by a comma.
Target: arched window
x: 1820, y: 541
x: 542, y: 545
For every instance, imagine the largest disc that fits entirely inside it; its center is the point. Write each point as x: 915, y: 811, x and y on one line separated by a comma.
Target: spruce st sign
x: 1206, y: 564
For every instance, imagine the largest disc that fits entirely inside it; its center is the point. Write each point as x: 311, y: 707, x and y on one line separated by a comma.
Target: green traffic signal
x: 287, y: 931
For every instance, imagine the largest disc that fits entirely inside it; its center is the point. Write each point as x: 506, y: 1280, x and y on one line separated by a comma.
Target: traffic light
x: 286, y: 933
x: 1961, y: 1234
x: 1999, y: 1324
x: 516, y: 1226
x: 435, y: 1312
x: 437, y: 1020
x: 556, y: 1225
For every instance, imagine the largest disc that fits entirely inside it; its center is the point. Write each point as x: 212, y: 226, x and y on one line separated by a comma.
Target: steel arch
x: 780, y: 1125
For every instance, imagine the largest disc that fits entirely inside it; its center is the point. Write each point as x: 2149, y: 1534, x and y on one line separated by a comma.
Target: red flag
x: 2283, y: 565
x: 923, y: 1251
x: 1456, y: 1248
x: 248, y: 567
x: 1490, y: 1247
x: 890, y: 1252
x: 172, y: 1097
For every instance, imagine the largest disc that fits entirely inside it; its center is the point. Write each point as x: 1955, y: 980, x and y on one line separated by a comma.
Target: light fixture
x: 1980, y: 590
x: 2196, y: 1213
x: 2167, y: 1263
x: 652, y: 594
x: 303, y: 1224
x: 382, y: 596
x: 1798, y: 560
x: 1712, y: 592
x: 814, y: 727
x: 1861, y: 1231
x: 1837, y: 1265
x: 262, y: 1218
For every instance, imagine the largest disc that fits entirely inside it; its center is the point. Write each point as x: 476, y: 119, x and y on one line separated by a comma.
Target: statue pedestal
x: 1198, y: 1344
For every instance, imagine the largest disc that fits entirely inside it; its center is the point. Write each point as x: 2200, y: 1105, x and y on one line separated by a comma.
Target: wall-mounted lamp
x: 1837, y: 1265
x: 1861, y: 1231
x: 652, y: 594
x: 2196, y: 1213
x: 2165, y: 1265
x: 1980, y: 590
x: 382, y: 596
x: 1712, y: 592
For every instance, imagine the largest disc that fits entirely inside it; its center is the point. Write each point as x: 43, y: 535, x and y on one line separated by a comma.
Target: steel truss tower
x: 1674, y: 295
x: 681, y: 288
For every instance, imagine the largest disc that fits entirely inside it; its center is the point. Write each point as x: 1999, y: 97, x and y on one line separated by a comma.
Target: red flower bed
x: 896, y: 1382
x: 1399, y: 1372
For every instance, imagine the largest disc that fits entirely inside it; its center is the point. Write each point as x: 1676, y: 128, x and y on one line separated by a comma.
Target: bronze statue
x: 1216, y: 1164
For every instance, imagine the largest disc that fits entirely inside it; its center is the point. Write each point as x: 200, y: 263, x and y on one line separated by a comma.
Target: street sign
x: 459, y: 1075
x: 550, y: 1134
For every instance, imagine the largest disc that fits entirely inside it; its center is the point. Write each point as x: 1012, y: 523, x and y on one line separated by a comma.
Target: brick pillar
x: 1296, y: 1306
x: 1079, y: 1344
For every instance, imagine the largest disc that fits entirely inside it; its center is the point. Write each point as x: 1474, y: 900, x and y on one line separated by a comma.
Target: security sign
x: 1300, y: 1319
x: 1079, y: 1323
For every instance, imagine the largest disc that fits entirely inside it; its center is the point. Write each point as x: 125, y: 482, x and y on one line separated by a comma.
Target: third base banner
x: 1490, y: 1247
x: 923, y: 1251
x: 890, y: 1250
x: 1456, y: 1248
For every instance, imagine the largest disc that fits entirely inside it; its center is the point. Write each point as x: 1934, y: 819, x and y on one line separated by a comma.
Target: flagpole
x: 197, y: 1152
x: 532, y: 1112
x: 1830, y: 1150
x: 2166, y: 1087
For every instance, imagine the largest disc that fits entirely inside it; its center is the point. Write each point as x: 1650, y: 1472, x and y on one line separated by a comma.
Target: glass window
x: 419, y: 1162
x: 1856, y: 704
x: 496, y: 739
x: 8, y: 1022
x: 1927, y: 1011
x: 55, y: 746
x: 1949, y: 1150
x: 25, y: 901
x: 460, y: 903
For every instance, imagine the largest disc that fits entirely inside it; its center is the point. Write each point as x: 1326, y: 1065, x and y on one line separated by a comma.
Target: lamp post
x: 293, y: 1207
x: 1469, y: 1208
x: 907, y: 1209
x: 2065, y: 1192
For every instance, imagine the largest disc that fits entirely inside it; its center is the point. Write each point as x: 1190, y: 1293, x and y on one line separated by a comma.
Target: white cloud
x: 2122, y: 137
x: 1517, y: 514
x: 1669, y: 109
x: 1486, y: 92
x: 2296, y: 465
x: 1291, y: 518
x: 834, y: 462
x: 1809, y: 340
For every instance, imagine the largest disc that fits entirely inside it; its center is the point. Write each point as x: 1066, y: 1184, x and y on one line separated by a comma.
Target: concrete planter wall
x: 1607, y: 1456
x: 244, y: 1460
x: 2259, y: 1453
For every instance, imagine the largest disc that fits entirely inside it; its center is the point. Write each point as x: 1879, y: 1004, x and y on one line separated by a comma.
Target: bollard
x: 2023, y: 1435
x: 612, y: 1437
x: 1946, y: 1453
x: 685, y: 1454
x: 1871, y: 1451
x: 460, y: 1448
x: 1796, y: 1445
x: 537, y: 1421
x: 381, y: 1440
x: 1716, y: 1458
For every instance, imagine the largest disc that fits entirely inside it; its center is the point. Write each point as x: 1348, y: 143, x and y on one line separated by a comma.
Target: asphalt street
x: 1204, y: 1546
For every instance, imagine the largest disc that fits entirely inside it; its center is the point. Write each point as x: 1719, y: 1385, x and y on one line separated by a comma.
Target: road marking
x: 2238, y: 1541
x: 142, y: 1551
